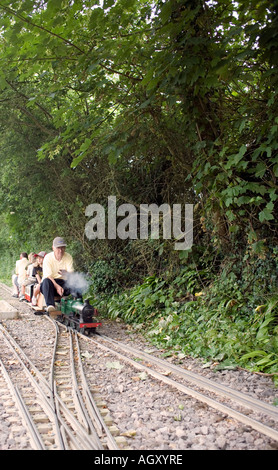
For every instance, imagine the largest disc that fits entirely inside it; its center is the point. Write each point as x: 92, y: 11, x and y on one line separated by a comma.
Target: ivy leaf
x: 266, y: 214
x: 235, y: 158
x: 260, y: 169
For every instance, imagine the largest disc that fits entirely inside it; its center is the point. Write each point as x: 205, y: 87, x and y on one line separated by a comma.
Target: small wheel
x: 90, y: 331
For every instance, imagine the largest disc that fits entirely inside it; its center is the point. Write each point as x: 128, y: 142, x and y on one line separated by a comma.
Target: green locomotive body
x: 79, y: 314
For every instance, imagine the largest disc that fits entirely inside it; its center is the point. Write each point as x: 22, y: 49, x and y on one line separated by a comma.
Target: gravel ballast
x: 148, y: 414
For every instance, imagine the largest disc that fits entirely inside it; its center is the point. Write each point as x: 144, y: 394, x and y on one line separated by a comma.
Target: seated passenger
x: 29, y: 278
x: 20, y: 273
x: 37, y: 274
x: 56, y: 265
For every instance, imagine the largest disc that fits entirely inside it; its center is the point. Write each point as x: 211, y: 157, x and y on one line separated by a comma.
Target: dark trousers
x: 48, y: 290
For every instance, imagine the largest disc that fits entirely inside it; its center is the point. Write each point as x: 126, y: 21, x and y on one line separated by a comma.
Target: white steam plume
x: 77, y: 283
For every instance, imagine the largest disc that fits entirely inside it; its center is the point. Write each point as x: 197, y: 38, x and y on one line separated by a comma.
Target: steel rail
x: 63, y: 429
x: 6, y: 288
x: 81, y: 411
x: 208, y: 384
x: 258, y: 426
x: 15, y: 348
x: 44, y: 401
x: 58, y: 419
x: 36, y: 440
x: 81, y: 440
x: 92, y: 407
x: 80, y: 406
x: 202, y: 382
x: 92, y: 414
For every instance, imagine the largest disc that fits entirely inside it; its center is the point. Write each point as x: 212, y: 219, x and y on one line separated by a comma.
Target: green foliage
x: 171, y: 101
x: 232, y: 322
x: 108, y: 276
x: 153, y: 102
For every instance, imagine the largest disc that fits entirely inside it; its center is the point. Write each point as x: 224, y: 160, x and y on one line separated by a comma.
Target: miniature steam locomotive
x: 79, y: 315
x: 71, y: 311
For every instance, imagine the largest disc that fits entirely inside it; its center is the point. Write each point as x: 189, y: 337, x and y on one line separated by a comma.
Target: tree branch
x: 26, y: 20
x: 26, y: 97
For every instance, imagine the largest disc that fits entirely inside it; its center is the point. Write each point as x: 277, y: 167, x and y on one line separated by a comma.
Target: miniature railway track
x: 58, y: 413
x: 71, y: 415
x: 70, y: 384
x: 33, y: 401
x: 160, y: 369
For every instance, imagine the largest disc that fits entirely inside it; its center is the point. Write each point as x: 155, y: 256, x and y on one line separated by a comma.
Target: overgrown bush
x: 107, y: 276
x: 231, y: 322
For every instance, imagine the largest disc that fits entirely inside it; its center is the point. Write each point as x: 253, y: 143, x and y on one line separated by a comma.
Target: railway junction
x: 114, y: 391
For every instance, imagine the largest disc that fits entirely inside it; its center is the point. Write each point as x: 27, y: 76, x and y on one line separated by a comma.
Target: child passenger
x: 37, y: 273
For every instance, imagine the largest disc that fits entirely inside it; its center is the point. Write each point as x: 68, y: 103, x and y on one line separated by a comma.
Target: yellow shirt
x: 51, y: 266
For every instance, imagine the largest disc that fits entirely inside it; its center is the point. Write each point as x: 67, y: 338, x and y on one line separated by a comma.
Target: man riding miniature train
x: 56, y: 265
